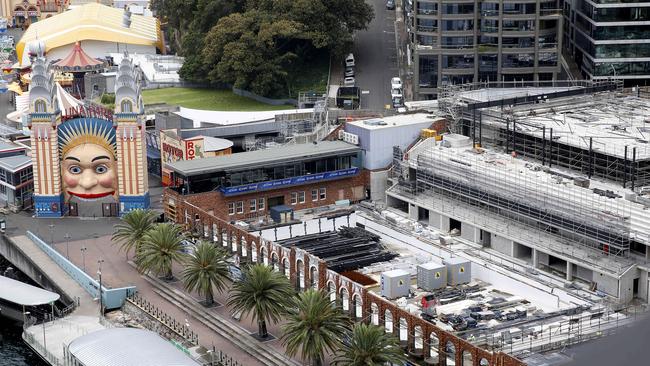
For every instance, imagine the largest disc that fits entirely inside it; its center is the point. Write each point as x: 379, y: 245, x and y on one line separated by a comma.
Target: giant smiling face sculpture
x: 88, y: 164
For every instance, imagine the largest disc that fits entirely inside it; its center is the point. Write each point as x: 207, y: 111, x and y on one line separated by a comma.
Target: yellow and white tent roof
x: 91, y: 21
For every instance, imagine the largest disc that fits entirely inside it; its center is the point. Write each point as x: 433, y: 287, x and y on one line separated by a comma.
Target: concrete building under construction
x: 555, y: 176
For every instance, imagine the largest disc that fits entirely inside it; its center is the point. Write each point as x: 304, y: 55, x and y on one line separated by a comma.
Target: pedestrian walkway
x: 49, y: 338
x: 117, y: 272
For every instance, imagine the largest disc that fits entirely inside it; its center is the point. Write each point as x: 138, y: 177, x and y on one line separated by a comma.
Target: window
x: 253, y: 205
x: 3, y: 190
x: 314, y: 194
x: 231, y: 208
x: 301, y: 196
x: 260, y: 204
x: 294, y: 198
x: 240, y: 207
x: 127, y: 106
x: 323, y: 193
x: 39, y: 106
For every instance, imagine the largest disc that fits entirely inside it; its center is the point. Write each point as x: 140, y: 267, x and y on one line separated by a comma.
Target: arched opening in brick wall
x: 206, y: 231
x: 434, y: 349
x: 357, y: 305
x: 275, y: 262
x: 254, y: 252
x: 234, y: 244
x: 331, y: 289
x: 300, y: 278
x: 374, y: 314
x: 467, y: 358
x: 286, y: 268
x: 263, y: 257
x: 450, y: 352
x: 313, y: 277
x: 403, y: 331
x: 224, y: 238
x: 484, y: 362
x: 345, y: 299
x: 215, y: 233
x: 388, y: 321
x: 418, y: 341
x: 244, y: 249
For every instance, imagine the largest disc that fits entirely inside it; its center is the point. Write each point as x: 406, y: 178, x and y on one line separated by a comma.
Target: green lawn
x: 208, y: 99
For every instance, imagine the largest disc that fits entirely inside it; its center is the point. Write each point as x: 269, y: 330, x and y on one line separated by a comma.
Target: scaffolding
x: 591, y: 129
x: 525, y: 193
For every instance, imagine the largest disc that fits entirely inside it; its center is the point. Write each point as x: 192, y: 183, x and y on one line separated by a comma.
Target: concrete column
x: 413, y: 212
x: 569, y: 271
x: 535, y: 258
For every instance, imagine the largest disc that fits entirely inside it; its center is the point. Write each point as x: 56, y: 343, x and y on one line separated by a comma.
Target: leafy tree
x: 205, y: 269
x: 161, y: 246
x: 314, y: 326
x: 263, y: 293
x: 245, y: 50
x: 131, y: 230
x: 369, y: 345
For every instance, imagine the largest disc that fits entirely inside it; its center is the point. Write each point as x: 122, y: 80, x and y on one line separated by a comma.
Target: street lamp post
x: 67, y: 245
x: 83, y: 256
x: 51, y: 226
x: 101, y: 301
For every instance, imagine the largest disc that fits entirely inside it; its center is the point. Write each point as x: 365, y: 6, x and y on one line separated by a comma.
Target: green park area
x: 208, y: 99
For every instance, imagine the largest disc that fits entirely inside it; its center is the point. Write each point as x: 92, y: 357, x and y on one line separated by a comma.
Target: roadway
x: 375, y: 55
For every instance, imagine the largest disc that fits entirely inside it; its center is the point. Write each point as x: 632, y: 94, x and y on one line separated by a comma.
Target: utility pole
x: 83, y: 256
x: 101, y: 301
x: 67, y: 245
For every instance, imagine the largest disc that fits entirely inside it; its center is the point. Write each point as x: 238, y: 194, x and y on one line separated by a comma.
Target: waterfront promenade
x: 48, y: 338
x: 239, y: 344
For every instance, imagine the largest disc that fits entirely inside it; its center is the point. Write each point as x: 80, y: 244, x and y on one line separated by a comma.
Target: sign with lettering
x: 92, y: 111
x: 280, y: 183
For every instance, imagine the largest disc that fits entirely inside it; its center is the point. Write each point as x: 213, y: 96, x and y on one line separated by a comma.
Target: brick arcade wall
x: 305, y: 270
x: 353, y: 189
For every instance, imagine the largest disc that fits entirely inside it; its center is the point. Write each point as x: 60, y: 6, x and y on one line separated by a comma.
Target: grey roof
x: 127, y: 347
x: 261, y: 157
x: 13, y: 163
x: 23, y: 294
x: 5, y: 145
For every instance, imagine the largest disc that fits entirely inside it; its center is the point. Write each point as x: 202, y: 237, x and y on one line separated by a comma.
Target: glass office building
x: 609, y: 38
x: 468, y: 41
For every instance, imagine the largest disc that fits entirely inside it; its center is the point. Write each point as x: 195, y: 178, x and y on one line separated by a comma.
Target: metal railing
x: 213, y: 357
x: 175, y: 326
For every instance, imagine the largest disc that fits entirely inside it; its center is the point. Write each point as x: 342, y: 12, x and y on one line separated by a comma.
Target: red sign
x: 88, y: 112
x: 189, y: 146
x: 175, y: 153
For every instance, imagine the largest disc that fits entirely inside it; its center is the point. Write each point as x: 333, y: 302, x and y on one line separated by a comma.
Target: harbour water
x: 13, y: 351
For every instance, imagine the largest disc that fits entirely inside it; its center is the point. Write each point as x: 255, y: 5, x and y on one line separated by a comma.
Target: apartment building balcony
x: 550, y: 13
x: 429, y: 30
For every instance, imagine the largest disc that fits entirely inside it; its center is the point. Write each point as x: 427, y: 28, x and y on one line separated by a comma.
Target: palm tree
x: 314, y: 326
x: 129, y: 232
x: 369, y: 345
x: 161, y: 246
x: 206, y: 268
x: 263, y: 293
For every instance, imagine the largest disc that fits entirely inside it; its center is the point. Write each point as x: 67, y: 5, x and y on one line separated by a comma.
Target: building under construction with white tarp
x: 554, y: 177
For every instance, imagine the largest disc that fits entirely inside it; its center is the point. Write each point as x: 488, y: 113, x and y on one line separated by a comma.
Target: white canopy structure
x: 127, y: 347
x: 23, y: 294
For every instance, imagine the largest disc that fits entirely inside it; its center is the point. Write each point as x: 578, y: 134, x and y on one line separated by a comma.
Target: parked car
x: 349, y: 81
x: 349, y: 71
x: 349, y: 60
x: 390, y: 4
x: 398, y: 102
x: 396, y: 83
